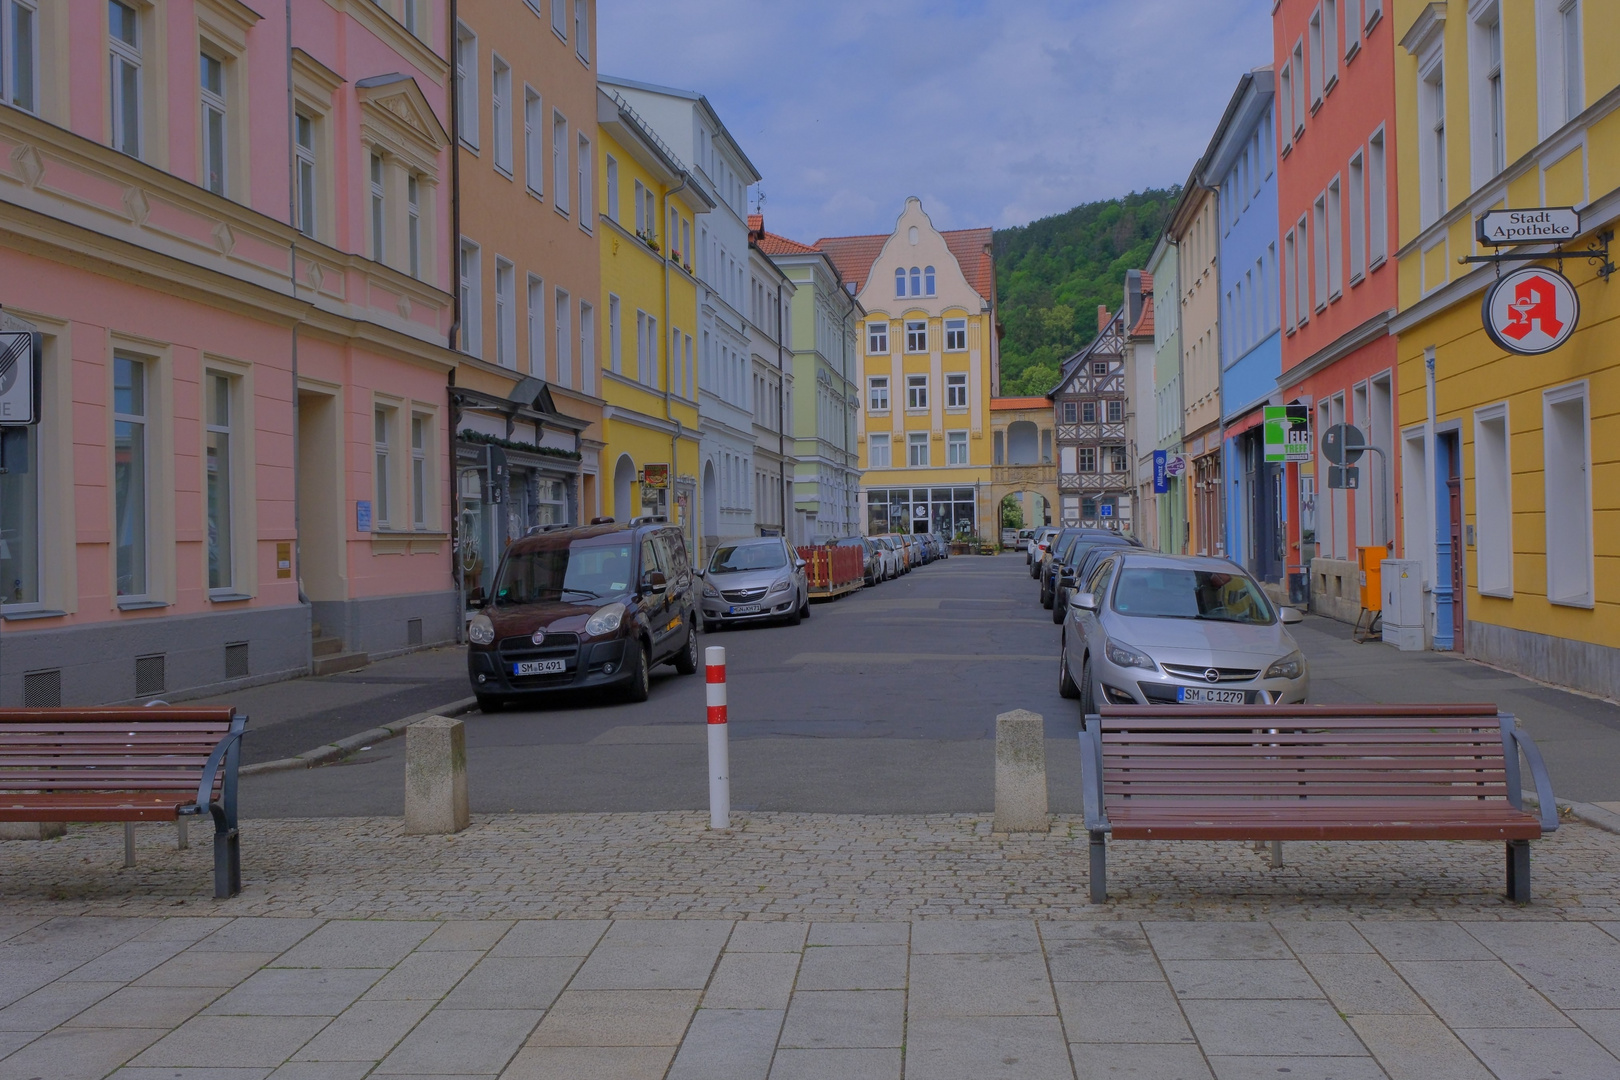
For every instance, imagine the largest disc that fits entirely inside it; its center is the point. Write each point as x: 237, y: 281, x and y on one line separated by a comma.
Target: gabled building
x: 770, y: 352
x: 1194, y: 230
x: 1171, y: 503
x: 929, y: 363
x: 1140, y: 435
x: 1095, y: 474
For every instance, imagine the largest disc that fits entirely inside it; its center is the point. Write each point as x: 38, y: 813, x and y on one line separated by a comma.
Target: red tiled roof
x: 771, y: 244
x: 854, y: 256
x: 1144, y: 325
x: 1004, y: 404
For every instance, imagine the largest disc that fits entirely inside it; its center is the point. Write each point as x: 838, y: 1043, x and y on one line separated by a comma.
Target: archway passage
x: 624, y: 483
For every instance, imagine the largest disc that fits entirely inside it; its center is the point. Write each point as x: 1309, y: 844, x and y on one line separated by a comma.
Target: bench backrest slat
x: 117, y: 749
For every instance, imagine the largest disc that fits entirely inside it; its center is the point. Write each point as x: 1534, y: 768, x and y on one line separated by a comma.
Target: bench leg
x: 1518, y: 871
x: 184, y: 826
x: 227, y: 863
x: 1099, y: 868
x: 129, y: 844
x: 1276, y: 855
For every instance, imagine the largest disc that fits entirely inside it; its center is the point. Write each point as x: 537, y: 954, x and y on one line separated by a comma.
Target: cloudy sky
x: 994, y: 112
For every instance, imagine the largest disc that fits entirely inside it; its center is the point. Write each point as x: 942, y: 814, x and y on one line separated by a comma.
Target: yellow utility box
x: 1371, y: 577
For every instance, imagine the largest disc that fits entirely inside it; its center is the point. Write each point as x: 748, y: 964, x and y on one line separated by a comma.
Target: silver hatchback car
x: 754, y: 580
x: 1151, y: 629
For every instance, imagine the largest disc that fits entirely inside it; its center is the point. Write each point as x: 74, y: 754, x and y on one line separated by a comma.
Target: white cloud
x: 995, y: 112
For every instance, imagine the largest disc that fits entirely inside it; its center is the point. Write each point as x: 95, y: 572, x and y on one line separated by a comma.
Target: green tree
x: 1053, y: 273
x: 1012, y: 514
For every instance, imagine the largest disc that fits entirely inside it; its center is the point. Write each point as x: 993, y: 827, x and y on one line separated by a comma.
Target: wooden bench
x: 1311, y: 772
x: 126, y: 764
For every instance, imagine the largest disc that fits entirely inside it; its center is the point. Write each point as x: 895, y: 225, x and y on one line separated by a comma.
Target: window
x: 916, y: 282
x: 611, y: 209
x: 928, y: 281
x: 124, y: 44
x: 641, y: 213
x: 217, y: 387
x: 500, y: 112
x: 1086, y: 459
x: 1069, y: 411
x: 1569, y: 40
x: 582, y: 44
x: 691, y: 377
x: 899, y: 281
x: 1377, y: 223
x: 129, y: 473
x: 955, y: 335
x: 956, y: 396
x: 956, y: 448
x: 1352, y: 27
x: 472, y: 304
x: 559, y: 162
x: 1099, y: 367
x: 467, y: 85
x: 583, y: 162
x: 1375, y: 8
x: 1432, y: 144
x: 1088, y: 412
x: 1488, y: 105
x: 916, y: 391
x: 1358, y: 219
x: 877, y: 451
x: 1117, y: 461
x: 564, y: 356
x: 642, y: 365
x: 916, y: 335
x: 378, y: 208
x: 505, y: 314
x: 1330, y: 44
x: 382, y: 436
x: 1335, y: 242
x: 917, y: 449
x: 304, y: 156
x: 19, y: 54
x: 1318, y: 68
x: 1298, y: 63
x: 615, y: 342
x: 419, y: 470
x: 1285, y: 106
x: 1290, y: 294
x: 1493, y: 501
x: 587, y: 344
x: 212, y: 78
x: 1568, y: 473
x: 1116, y: 411
x: 535, y: 325
x: 534, y: 160
x: 559, y: 18
x: 877, y: 338
x: 413, y: 223
x: 877, y: 393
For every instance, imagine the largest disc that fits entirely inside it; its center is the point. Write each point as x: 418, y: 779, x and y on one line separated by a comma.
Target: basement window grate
x: 42, y: 689
x: 149, y: 675
x: 413, y: 631
x: 236, y: 660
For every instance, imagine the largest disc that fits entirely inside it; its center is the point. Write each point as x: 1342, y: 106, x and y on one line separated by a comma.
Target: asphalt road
x: 882, y: 702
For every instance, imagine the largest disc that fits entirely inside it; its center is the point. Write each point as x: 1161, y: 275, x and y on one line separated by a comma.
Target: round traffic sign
x: 1531, y: 311
x: 1343, y: 444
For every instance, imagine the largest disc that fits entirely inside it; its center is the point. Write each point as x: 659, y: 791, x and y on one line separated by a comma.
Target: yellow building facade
x: 1509, y: 464
x: 929, y: 365
x: 648, y: 353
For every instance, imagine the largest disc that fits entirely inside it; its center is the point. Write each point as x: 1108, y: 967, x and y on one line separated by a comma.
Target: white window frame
x: 1568, y: 478
x: 1302, y: 270
x: 877, y: 394
x: 1352, y: 28
x: 879, y: 450
x: 1300, y: 76
x: 1319, y: 252
x: 917, y: 450
x: 611, y: 208
x: 1318, y: 67
x: 615, y: 335
x: 505, y: 313
x: 916, y: 335
x: 587, y: 346
x: 956, y: 335
x: 1433, y: 200
x: 563, y: 318
x: 956, y: 448
x: 421, y: 482
x: 382, y: 431
x: 534, y: 145
x: 20, y: 94
x: 1357, y: 171
x: 1330, y: 45
x: 535, y: 324
x: 877, y: 338
x: 1493, y: 500
x: 559, y: 162
x: 1561, y: 63
x: 583, y: 164
x: 1290, y: 293
x: 1285, y: 106
x: 916, y: 393
x: 559, y: 18
x: 1335, y: 240
x: 467, y: 81
x: 215, y: 106
x: 471, y: 292
x: 221, y: 540
x: 500, y: 112
x: 306, y: 173
x: 125, y: 55
x: 956, y: 390
x: 1377, y: 201
x: 377, y: 204
x: 413, y: 224
x: 1487, y: 101
x: 582, y: 31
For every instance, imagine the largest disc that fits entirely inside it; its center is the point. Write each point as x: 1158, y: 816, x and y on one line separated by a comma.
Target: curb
x: 1595, y: 816
x: 322, y: 754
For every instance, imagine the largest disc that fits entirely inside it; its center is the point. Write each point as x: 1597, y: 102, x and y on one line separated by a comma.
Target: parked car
x: 1163, y: 629
x: 584, y: 608
x: 1038, y: 544
x: 888, y: 560
x: 755, y: 580
x: 1022, y: 542
x: 1082, y: 558
x: 870, y: 560
x: 1060, y: 550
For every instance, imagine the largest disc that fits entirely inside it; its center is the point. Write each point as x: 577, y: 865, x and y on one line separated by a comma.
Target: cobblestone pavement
x: 799, y: 946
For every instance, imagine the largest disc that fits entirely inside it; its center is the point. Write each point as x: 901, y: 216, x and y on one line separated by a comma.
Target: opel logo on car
x: 1209, y: 673
x: 539, y: 636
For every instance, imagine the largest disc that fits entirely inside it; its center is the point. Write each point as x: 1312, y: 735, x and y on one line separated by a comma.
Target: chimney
x: 1133, y: 297
x: 756, y: 225
x: 1102, y: 317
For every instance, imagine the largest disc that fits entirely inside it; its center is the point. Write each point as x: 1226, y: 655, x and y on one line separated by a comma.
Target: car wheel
x: 1046, y: 597
x: 1066, y: 687
x: 1088, y: 692
x: 795, y: 616
x: 686, y: 662
x: 1059, y: 602
x: 488, y: 703
x: 639, y: 680
x: 805, y: 609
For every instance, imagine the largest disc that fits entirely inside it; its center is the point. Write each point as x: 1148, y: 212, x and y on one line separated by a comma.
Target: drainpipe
x: 454, y: 471
x: 669, y: 371
x: 1431, y: 567
x: 781, y: 417
x: 843, y: 371
x: 292, y: 280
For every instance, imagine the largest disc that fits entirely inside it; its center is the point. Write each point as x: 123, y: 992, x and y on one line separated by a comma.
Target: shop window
x: 20, y: 515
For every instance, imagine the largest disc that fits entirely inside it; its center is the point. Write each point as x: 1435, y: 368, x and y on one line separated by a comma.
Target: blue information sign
x: 362, y: 515
x: 1161, y: 477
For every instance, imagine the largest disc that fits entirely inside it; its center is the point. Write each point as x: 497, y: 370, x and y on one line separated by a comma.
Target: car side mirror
x: 1084, y: 601
x: 700, y: 572
x: 476, y: 603
x: 654, y: 581
x: 798, y: 564
x: 1292, y: 615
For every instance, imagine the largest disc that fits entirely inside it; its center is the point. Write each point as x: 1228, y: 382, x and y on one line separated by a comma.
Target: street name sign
x: 1531, y: 311
x: 1538, y: 225
x: 1288, y: 432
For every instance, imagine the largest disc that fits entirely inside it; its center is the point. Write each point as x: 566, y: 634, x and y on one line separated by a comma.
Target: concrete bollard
x: 32, y: 830
x: 436, y: 777
x: 1021, y: 772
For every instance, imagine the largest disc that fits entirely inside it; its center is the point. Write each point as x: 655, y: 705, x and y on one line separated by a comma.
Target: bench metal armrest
x: 1538, y: 774
x: 225, y: 756
x: 1091, y: 775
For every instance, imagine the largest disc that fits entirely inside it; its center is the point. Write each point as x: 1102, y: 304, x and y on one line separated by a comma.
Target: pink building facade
x: 1336, y: 223
x: 242, y: 292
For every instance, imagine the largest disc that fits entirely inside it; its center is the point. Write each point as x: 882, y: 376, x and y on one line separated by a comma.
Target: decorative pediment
x: 397, y: 114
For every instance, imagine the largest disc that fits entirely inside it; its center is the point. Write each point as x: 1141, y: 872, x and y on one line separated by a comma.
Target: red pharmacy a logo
x: 1531, y: 311
x: 1534, y: 301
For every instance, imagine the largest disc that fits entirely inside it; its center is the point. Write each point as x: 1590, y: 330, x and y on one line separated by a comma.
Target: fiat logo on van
x: 539, y: 636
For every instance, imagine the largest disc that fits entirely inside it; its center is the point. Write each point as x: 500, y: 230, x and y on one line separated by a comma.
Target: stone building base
x: 1580, y: 665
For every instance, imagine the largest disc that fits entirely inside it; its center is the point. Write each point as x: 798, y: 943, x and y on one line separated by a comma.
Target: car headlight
x: 606, y: 620
x: 782, y: 586
x: 1291, y: 666
x: 1126, y: 656
x: 480, y: 631
x: 710, y: 590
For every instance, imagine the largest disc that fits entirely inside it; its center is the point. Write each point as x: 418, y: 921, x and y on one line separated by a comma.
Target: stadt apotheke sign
x: 1531, y: 311
x: 1537, y: 225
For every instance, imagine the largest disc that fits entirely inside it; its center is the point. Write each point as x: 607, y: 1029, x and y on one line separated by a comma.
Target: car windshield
x: 577, y: 571
x: 734, y: 558
x: 1164, y: 592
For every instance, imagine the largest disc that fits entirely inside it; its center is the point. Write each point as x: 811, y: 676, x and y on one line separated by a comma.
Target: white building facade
x: 770, y: 354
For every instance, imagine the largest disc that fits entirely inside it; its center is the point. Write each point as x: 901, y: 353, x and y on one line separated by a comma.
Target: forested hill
x: 1051, y: 274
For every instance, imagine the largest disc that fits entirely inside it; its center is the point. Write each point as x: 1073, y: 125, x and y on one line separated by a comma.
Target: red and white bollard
x: 714, y: 658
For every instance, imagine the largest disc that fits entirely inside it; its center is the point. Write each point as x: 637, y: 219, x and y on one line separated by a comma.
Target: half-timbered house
x: 1089, y: 401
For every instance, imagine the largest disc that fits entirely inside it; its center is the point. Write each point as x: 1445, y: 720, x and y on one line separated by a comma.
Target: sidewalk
x: 800, y: 946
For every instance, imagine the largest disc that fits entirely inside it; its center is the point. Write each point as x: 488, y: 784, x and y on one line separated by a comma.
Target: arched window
x: 899, y: 281
x: 916, y: 282
x: 928, y: 281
